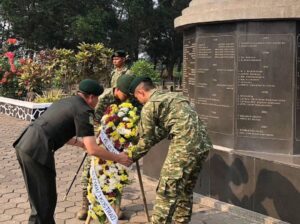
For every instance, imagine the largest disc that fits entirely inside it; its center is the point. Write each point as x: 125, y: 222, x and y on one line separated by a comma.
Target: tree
x: 136, y: 26
x: 4, y: 27
x: 164, y: 43
x: 134, y: 19
x: 56, y: 23
x: 96, y: 24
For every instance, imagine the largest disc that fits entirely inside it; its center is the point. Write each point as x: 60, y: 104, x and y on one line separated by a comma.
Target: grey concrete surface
x: 208, y: 11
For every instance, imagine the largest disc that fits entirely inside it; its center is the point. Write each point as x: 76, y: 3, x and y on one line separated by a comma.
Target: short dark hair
x: 148, y: 85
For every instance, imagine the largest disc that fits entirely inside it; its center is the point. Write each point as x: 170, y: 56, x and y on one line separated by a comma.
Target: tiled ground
x: 14, y: 206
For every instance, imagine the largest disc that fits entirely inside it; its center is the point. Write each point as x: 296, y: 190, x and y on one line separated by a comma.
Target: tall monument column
x: 241, y: 73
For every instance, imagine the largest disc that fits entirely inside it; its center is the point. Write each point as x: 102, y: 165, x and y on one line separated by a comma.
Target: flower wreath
x: 119, y: 123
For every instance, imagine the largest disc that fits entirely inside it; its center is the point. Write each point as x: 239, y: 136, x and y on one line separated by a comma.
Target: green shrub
x: 94, y: 61
x: 63, y: 69
x: 143, y: 67
x: 49, y: 96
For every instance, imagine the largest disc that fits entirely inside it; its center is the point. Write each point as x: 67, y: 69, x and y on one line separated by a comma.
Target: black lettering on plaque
x: 215, y: 68
x: 264, y: 83
x: 189, y: 60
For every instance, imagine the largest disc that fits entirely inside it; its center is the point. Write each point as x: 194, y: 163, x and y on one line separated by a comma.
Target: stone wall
x: 23, y: 110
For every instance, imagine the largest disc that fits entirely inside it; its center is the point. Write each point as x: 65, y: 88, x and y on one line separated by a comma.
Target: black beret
x: 136, y: 81
x: 119, y: 53
x: 90, y: 86
x: 124, y: 82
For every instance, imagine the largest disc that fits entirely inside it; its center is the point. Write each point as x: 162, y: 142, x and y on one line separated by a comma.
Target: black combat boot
x: 83, y: 212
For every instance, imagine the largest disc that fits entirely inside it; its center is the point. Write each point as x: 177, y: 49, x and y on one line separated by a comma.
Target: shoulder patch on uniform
x: 91, y: 119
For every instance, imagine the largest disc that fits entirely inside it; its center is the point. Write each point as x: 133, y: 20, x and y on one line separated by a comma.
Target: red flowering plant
x: 9, y: 70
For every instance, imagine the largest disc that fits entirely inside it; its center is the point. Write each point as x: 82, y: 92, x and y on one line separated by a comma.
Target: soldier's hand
x: 124, y: 159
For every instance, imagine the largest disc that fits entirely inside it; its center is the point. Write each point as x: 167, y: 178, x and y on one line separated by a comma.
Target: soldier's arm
x: 206, y: 143
x: 93, y: 149
x: 160, y: 134
x: 146, y: 129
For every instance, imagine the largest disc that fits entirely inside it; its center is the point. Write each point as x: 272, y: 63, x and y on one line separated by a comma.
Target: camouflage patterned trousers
x: 174, y: 194
x: 85, y: 174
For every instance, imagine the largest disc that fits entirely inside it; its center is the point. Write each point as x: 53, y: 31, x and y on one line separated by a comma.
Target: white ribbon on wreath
x: 108, y: 210
x: 107, y: 142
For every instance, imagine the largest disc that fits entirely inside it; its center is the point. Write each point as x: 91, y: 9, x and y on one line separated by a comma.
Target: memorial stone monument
x: 241, y: 61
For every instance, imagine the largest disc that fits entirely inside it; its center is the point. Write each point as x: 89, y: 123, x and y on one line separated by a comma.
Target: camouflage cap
x: 119, y: 53
x: 136, y: 81
x: 90, y: 86
x: 124, y: 82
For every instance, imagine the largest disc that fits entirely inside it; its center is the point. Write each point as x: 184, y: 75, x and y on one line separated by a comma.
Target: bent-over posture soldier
x: 36, y: 146
x: 119, y: 61
x: 170, y: 114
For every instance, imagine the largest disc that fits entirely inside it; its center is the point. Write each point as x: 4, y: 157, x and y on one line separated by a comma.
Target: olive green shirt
x: 115, y: 74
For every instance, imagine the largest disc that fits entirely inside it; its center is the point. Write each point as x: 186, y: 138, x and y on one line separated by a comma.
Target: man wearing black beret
x: 35, y: 148
x: 114, y: 95
x: 118, y: 60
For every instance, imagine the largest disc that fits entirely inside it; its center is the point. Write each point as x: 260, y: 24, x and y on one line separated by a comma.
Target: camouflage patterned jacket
x: 115, y: 74
x: 105, y: 99
x: 170, y: 114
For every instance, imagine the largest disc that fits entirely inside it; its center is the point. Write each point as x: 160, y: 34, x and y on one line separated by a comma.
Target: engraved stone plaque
x: 264, y: 83
x: 215, y: 83
x: 241, y: 78
x: 189, y: 60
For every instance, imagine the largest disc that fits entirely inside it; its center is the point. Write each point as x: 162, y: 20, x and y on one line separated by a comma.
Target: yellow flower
x: 129, y: 125
x: 105, y: 188
x: 131, y: 113
x: 124, y: 177
x: 129, y: 153
x: 110, y: 124
x: 115, y: 135
x: 126, y: 105
x: 93, y: 215
x: 114, y: 108
x: 91, y: 198
x: 133, y: 132
x: 122, y: 140
x: 119, y: 186
x: 121, y: 125
x: 109, y: 163
x: 132, y: 148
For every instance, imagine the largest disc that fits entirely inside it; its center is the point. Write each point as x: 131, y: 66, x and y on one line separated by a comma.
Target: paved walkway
x: 14, y: 206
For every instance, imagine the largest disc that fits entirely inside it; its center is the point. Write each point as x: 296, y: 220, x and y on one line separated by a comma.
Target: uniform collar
x: 153, y: 92
x: 124, y: 68
x: 83, y: 101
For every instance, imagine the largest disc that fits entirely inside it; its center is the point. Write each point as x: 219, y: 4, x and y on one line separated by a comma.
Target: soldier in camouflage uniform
x: 170, y: 114
x: 118, y: 59
x: 110, y: 96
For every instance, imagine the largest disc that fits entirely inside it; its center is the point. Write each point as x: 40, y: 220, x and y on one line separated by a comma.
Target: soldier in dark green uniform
x: 109, y: 96
x: 171, y: 115
x: 35, y: 148
x: 119, y: 61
